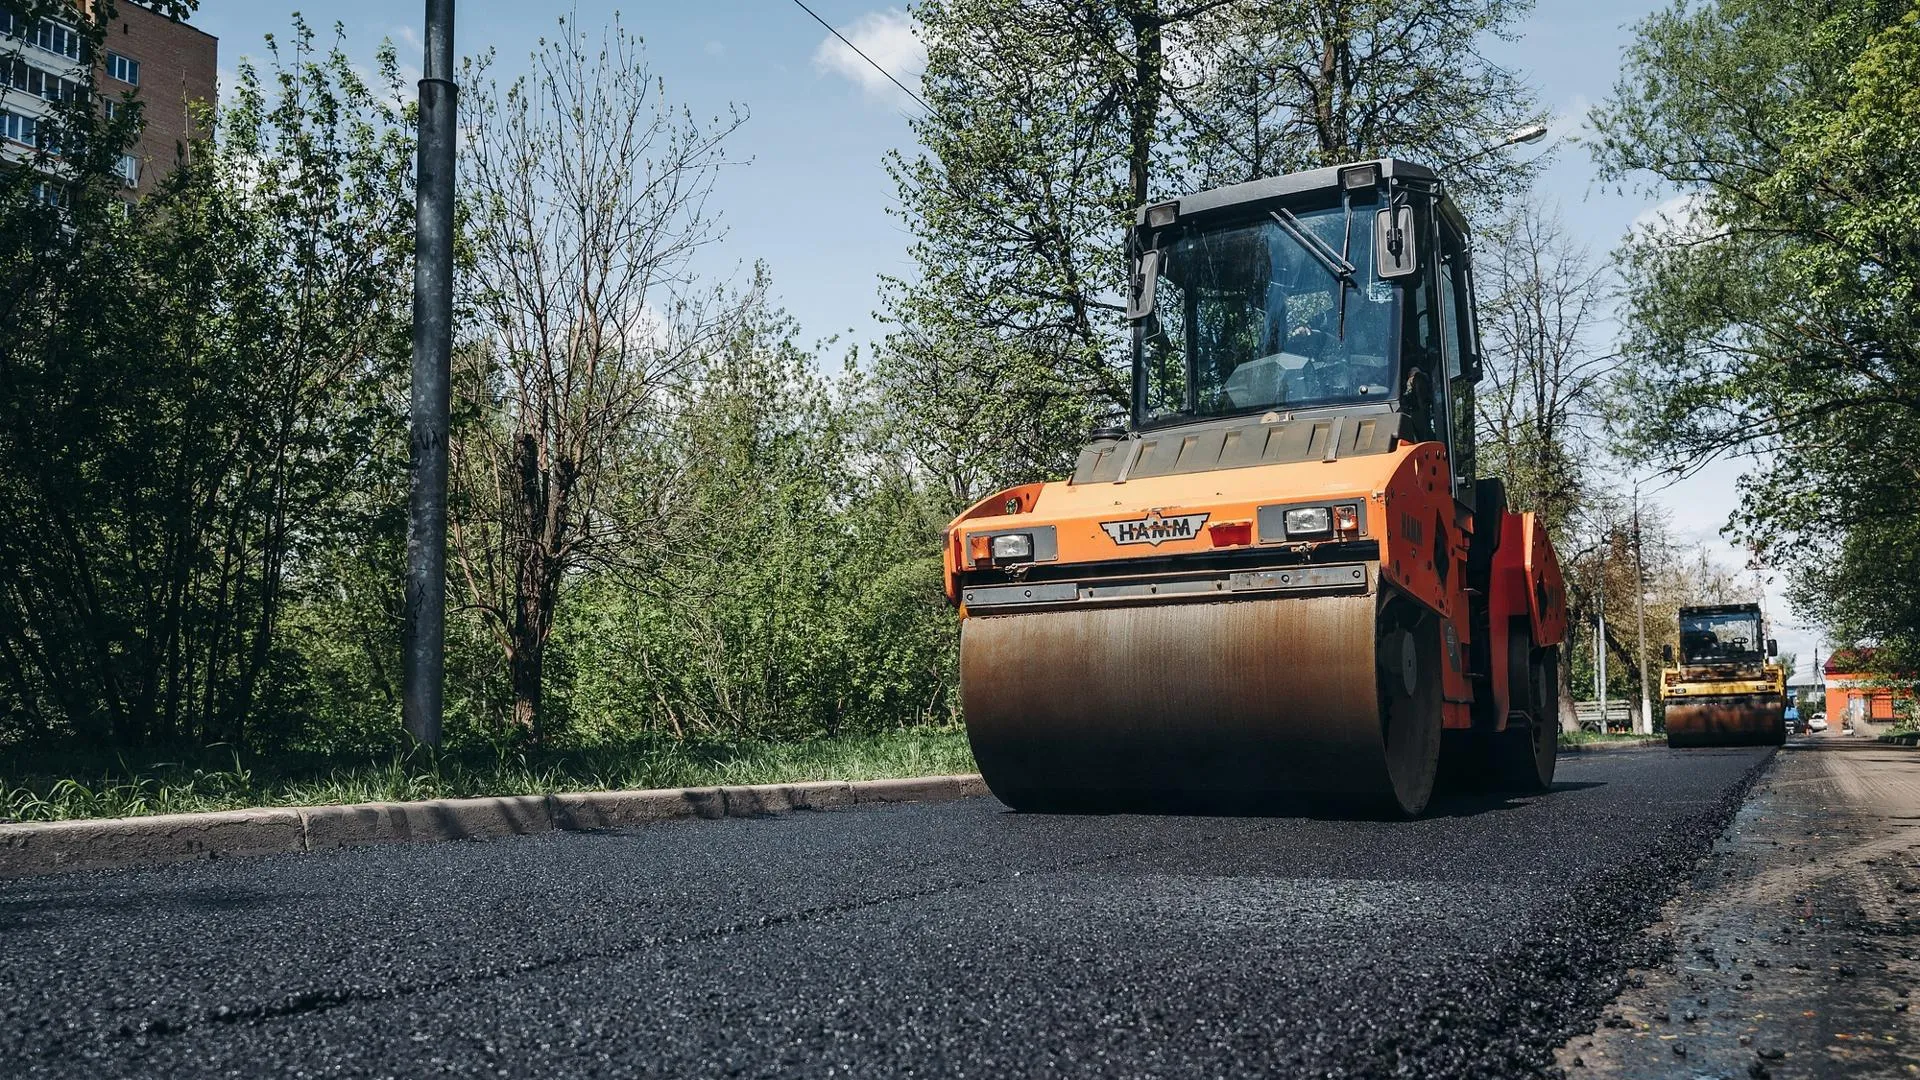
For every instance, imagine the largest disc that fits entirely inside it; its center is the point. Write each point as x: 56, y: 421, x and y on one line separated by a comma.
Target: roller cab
x: 1281, y: 581
x: 1723, y: 688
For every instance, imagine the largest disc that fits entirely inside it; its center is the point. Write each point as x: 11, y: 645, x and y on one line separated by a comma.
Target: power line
x: 864, y: 56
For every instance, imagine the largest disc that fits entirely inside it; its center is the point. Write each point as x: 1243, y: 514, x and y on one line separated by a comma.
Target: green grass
x: 55, y: 789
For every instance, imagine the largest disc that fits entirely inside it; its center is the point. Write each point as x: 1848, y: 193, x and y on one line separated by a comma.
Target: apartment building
x: 169, y: 66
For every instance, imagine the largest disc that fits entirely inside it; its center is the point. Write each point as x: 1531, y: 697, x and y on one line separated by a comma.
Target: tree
x: 1006, y: 339
x: 586, y: 201
x: 1538, y: 404
x: 1272, y: 88
x: 193, y: 387
x: 1776, y: 312
x: 1053, y: 120
x: 800, y: 598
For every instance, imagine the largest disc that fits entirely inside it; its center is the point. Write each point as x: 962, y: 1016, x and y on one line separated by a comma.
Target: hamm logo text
x: 1153, y: 529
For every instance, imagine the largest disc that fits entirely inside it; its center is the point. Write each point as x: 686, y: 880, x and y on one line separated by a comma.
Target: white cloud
x: 890, y: 39
x: 716, y: 48
x: 409, y: 37
x: 1570, y: 122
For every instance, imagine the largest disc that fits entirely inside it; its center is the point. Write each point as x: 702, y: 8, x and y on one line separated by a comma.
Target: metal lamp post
x: 426, y: 620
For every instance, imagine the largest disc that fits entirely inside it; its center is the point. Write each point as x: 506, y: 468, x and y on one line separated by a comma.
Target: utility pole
x: 1600, y: 660
x: 426, y: 626
x: 1819, y: 679
x: 1600, y: 635
x: 1645, y: 726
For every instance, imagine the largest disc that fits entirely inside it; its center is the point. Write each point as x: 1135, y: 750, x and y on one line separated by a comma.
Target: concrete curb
x: 1609, y: 747
x: 29, y: 849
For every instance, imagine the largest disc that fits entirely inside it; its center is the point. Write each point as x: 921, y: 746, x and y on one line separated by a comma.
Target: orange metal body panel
x: 1525, y: 584
x: 1423, y: 535
x: 1546, y: 589
x: 1410, y: 512
x: 1423, y: 551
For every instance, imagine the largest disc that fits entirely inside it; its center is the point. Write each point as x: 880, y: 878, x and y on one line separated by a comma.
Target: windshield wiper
x: 1336, y: 265
x: 1335, y: 262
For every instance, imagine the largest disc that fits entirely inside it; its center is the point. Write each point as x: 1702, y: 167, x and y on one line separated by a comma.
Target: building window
x: 55, y: 38
x: 129, y: 170
x: 126, y: 69
x: 15, y: 128
x: 17, y: 74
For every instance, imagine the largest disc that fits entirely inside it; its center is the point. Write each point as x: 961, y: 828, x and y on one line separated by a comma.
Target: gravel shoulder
x: 1792, y: 952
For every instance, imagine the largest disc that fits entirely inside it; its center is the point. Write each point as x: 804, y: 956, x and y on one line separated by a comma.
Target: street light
x: 1530, y: 133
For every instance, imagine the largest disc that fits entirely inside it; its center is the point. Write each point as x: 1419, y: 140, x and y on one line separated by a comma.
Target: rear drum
x: 1726, y: 721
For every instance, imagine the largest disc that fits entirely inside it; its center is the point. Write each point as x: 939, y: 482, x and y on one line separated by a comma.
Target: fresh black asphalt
x: 955, y: 939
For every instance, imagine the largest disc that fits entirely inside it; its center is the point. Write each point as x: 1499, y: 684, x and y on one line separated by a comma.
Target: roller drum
x: 1205, y: 704
x: 1727, y: 721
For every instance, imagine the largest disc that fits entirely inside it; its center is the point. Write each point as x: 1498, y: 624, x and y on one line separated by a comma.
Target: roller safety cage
x: 1281, y: 580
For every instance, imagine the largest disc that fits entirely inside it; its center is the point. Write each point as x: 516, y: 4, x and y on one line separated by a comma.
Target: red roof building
x: 1855, y: 693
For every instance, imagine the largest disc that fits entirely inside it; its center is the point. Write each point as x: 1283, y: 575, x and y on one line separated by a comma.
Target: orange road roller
x: 1281, y: 581
x: 1724, y: 691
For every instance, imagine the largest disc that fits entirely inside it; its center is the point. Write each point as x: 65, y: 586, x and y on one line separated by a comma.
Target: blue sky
x: 811, y: 197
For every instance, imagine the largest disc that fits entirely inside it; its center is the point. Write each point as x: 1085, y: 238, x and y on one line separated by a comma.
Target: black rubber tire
x: 1411, y: 724
x: 1525, y: 755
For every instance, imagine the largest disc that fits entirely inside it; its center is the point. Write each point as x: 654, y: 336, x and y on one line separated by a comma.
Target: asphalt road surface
x: 1796, y: 955
x: 943, y: 940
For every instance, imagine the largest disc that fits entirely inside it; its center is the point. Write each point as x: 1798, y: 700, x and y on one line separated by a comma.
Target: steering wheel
x: 1309, y: 342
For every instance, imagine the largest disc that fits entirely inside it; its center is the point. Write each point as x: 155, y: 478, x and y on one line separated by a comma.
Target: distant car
x: 1818, y: 723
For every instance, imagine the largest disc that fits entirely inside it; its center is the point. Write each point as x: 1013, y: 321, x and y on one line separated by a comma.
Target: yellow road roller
x: 1281, y: 580
x: 1724, y: 690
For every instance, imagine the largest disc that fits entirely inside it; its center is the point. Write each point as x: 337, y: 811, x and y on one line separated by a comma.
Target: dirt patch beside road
x: 1795, y: 948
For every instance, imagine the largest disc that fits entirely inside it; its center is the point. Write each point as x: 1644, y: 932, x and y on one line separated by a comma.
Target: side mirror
x: 1145, y: 278
x: 1666, y: 653
x: 1395, y: 255
x: 1773, y: 647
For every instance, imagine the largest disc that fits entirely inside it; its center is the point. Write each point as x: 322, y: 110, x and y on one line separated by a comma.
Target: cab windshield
x: 1720, y: 639
x: 1247, y: 318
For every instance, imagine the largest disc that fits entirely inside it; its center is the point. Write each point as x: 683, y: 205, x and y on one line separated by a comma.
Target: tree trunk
x: 1147, y: 63
x: 527, y: 638
x: 525, y: 669
x: 1569, y: 716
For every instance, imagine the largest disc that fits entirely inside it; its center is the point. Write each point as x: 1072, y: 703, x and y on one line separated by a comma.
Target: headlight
x: 1308, y: 520
x: 1010, y: 546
